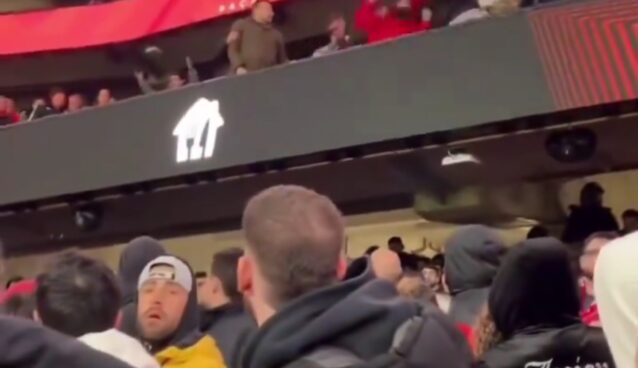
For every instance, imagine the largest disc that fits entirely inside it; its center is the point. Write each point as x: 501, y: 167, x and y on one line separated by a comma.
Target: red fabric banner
x: 94, y: 25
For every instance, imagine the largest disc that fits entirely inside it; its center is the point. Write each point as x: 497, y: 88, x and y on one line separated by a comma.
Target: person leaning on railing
x: 152, y: 83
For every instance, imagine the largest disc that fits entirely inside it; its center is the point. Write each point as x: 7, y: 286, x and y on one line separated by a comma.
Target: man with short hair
x: 593, y: 245
x: 203, y: 290
x: 76, y: 102
x: 104, y: 97
x: 409, y: 261
x: 589, y: 216
x: 339, y: 39
x: 629, y: 221
x: 254, y: 43
x: 224, y: 317
x: 291, y: 276
x: 58, y: 100
x: 25, y: 344
x: 168, y: 316
x: 79, y: 296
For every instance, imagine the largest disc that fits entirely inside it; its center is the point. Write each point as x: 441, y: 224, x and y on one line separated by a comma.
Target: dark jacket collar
x: 359, y: 315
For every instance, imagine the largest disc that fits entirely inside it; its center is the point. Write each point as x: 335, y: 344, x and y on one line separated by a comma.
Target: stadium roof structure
x: 352, y: 124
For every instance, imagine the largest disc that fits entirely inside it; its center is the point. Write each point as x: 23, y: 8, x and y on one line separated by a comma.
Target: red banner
x: 94, y: 25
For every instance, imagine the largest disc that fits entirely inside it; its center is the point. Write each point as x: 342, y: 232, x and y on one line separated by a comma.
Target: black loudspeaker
x: 88, y: 217
x: 571, y: 145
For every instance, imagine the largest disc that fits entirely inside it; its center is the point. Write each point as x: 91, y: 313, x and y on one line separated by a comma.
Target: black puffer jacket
x: 360, y: 317
x: 534, y: 303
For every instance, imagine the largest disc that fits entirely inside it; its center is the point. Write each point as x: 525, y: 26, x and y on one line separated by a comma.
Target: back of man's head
x: 77, y: 295
x: 224, y: 269
x: 296, y: 237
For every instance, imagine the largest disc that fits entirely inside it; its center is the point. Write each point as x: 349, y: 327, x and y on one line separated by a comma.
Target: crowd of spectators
x: 59, y: 102
x: 290, y: 298
x: 254, y: 43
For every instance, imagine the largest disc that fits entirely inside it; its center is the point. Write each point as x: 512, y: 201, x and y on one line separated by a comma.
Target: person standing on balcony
x: 382, y: 23
x: 254, y: 43
x: 339, y: 39
x: 58, y: 100
x: 151, y: 83
x: 76, y: 103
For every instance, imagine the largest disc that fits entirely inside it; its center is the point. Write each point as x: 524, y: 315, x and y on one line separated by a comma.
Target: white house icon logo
x: 191, y: 128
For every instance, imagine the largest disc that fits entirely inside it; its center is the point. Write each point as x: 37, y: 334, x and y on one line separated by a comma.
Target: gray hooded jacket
x: 472, y: 258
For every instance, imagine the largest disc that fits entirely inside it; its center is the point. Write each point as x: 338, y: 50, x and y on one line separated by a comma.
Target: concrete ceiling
x: 358, y: 185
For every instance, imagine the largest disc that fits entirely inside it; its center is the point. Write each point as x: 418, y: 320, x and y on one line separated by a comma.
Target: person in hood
x: 381, y: 23
x: 79, y: 296
x: 133, y: 259
x: 616, y: 290
x: 593, y: 245
x: 589, y: 217
x: 224, y: 318
x: 290, y: 277
x: 168, y: 316
x: 472, y: 258
x: 535, y: 307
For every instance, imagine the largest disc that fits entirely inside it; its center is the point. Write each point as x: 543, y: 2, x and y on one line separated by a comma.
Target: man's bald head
x: 296, y: 237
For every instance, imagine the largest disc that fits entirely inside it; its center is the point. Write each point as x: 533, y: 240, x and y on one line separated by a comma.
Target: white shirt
x: 121, y: 346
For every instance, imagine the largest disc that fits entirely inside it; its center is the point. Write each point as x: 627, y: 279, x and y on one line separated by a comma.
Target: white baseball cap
x: 169, y: 268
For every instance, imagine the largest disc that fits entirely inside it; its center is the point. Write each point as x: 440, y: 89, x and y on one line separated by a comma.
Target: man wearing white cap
x: 168, y: 316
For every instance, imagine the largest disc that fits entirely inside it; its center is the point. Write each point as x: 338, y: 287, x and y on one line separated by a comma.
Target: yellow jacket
x: 203, y: 354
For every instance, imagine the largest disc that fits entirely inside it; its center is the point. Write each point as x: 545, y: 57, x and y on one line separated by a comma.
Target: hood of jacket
x: 534, y: 288
x: 326, y: 316
x: 472, y: 258
x: 203, y: 353
x: 187, y: 333
x: 135, y: 256
x: 121, y: 346
x: 616, y: 292
x: 360, y: 315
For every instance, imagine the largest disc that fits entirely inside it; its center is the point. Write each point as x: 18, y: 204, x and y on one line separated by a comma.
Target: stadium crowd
x: 290, y: 298
x: 254, y: 43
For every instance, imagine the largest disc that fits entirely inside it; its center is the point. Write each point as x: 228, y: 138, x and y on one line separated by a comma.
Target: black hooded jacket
x: 586, y: 220
x: 472, y: 258
x: 25, y: 344
x: 535, y: 307
x: 360, y: 316
x: 135, y: 256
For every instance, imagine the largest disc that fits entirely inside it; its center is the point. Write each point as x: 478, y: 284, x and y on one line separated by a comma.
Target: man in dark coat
x: 291, y: 277
x: 589, y: 217
x: 535, y: 307
x: 224, y: 317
